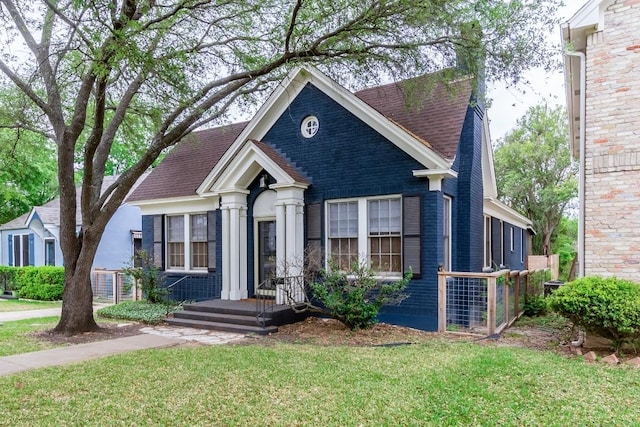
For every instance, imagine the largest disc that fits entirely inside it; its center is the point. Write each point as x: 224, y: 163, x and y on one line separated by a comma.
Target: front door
x: 266, y: 243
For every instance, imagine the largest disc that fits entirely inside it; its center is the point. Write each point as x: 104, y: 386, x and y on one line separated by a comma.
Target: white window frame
x: 501, y: 243
x: 487, y: 241
x: 187, y: 243
x: 512, y: 241
x: 446, y: 232
x: 23, y: 262
x: 363, y: 231
x: 45, y: 241
x: 523, y: 242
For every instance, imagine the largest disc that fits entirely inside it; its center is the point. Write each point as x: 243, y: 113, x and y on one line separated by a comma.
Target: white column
x: 226, y: 255
x: 281, y: 247
x: 242, y: 282
x: 234, y: 245
x: 290, y: 204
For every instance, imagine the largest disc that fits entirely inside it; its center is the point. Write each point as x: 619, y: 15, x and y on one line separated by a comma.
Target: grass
x: 20, y: 305
x: 15, y: 336
x: 437, y: 383
x: 549, y: 321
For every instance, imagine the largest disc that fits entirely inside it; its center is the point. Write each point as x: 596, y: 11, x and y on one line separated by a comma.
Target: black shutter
x: 314, y: 236
x: 412, y: 235
x: 212, y: 217
x: 157, y: 255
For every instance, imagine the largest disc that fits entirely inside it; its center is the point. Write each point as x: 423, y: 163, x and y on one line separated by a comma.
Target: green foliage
x: 44, y: 283
x: 139, y: 311
x: 355, y: 297
x: 563, y: 243
x: 535, y: 305
x: 40, y: 283
x: 609, y: 307
x: 149, y: 278
x: 534, y: 171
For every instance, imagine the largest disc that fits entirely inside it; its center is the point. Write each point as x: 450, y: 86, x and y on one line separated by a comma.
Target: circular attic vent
x: 309, y: 126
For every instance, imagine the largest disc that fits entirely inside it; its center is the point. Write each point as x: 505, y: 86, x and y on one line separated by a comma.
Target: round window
x: 309, y: 126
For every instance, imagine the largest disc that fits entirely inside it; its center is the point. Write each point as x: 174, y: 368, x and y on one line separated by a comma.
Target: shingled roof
x: 431, y: 111
x: 188, y: 164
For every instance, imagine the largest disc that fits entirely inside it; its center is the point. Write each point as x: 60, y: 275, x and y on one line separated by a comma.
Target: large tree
x: 534, y: 171
x: 90, y: 67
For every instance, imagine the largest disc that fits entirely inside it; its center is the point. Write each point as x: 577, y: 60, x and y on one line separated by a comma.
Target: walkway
x: 151, y: 337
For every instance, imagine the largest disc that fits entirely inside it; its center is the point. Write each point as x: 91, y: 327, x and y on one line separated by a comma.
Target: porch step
x: 226, y: 327
x: 236, y: 319
x: 233, y: 316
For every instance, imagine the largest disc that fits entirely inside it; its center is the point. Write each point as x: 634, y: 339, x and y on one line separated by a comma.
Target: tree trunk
x: 77, y: 302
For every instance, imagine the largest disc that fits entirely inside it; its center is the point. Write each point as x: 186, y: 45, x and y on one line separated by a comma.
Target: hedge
x: 44, y: 283
x: 609, y: 307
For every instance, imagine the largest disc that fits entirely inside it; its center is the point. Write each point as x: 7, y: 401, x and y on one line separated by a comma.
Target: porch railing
x: 286, y: 290
x: 113, y: 286
x: 484, y: 303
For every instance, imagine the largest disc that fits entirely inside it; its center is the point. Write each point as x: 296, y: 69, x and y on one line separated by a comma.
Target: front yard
x: 316, y: 374
x: 7, y: 305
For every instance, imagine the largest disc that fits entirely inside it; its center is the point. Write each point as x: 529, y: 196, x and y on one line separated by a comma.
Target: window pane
x: 176, y: 254
x: 175, y: 228
x: 343, y: 219
x: 344, y: 252
x: 384, y: 217
x: 385, y: 255
x: 199, y: 254
x: 199, y: 228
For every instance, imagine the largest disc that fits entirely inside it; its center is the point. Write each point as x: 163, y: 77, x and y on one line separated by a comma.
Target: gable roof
x: 49, y: 213
x: 187, y: 165
x: 431, y: 110
x: 422, y: 116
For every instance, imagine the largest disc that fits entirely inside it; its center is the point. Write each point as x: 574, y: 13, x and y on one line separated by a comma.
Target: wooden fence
x: 485, y: 303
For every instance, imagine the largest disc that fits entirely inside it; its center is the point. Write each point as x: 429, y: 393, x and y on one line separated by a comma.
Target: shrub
x: 609, y: 307
x: 149, y: 278
x: 355, y: 297
x: 44, y: 283
x: 535, y: 305
x: 139, y: 311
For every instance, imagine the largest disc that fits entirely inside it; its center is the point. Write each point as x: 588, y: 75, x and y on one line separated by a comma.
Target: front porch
x: 257, y: 316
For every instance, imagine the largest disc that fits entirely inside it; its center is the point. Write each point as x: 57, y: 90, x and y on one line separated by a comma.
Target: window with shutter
x: 412, y: 235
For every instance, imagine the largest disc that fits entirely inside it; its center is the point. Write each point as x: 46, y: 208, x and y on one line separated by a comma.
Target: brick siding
x: 612, y: 162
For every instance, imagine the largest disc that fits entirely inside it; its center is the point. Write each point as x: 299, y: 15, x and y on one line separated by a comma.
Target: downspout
x: 581, y: 181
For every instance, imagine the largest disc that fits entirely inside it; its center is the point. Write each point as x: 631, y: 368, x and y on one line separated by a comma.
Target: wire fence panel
x: 110, y: 286
x: 484, y: 303
x: 466, y: 304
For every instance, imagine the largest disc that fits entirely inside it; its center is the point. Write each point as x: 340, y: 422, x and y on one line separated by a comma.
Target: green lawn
x: 20, y: 305
x: 15, y: 336
x: 437, y: 383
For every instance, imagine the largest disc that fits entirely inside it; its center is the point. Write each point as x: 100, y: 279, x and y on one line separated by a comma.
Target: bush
x: 139, y: 311
x: 355, y: 297
x: 148, y: 276
x: 535, y: 305
x: 609, y: 307
x: 40, y: 283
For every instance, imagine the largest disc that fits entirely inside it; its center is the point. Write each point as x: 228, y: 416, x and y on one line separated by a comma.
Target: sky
x: 509, y: 104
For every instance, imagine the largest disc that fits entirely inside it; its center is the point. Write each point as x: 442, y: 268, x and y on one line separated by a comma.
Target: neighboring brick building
x: 602, y: 69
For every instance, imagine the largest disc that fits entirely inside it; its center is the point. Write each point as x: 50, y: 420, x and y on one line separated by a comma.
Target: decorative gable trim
x: 245, y: 167
x: 289, y: 89
x: 435, y: 177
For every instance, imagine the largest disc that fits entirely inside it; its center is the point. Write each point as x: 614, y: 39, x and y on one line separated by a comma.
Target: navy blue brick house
x: 398, y: 176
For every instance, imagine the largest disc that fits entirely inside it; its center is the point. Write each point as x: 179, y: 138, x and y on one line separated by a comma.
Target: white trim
x: 287, y: 91
x: 178, y: 205
x: 248, y: 163
x: 187, y: 243
x: 435, y: 176
x: 447, y: 213
x: 488, y: 243
x: 44, y: 251
x: 496, y: 209
x: 512, y: 247
x: 489, y: 183
x: 501, y: 243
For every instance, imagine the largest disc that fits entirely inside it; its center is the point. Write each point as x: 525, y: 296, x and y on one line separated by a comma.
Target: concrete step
x: 220, y: 326
x: 236, y: 319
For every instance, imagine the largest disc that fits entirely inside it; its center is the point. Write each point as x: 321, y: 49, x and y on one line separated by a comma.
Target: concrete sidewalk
x: 81, y: 352
x: 10, y: 316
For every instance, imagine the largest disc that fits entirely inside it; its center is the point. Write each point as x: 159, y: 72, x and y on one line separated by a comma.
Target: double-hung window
x: 21, y: 253
x: 385, y: 227
x: 366, y: 230
x: 343, y: 233
x: 187, y: 247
